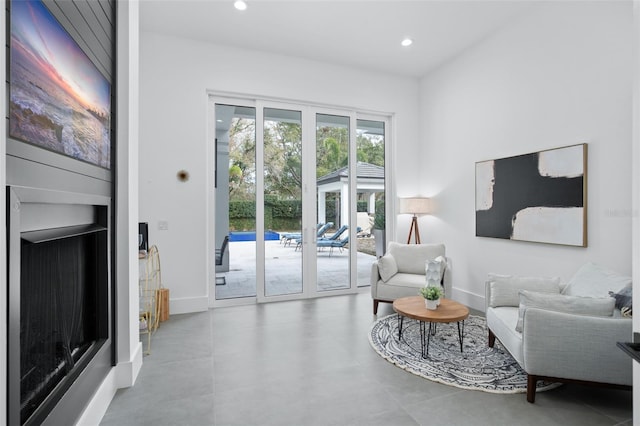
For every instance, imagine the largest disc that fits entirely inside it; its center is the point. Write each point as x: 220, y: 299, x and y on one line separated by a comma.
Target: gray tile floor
x: 310, y: 363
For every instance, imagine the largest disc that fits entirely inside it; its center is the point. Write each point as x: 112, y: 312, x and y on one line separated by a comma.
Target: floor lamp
x: 415, y: 206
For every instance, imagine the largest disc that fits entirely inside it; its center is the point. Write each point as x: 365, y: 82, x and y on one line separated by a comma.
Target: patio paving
x: 283, y: 270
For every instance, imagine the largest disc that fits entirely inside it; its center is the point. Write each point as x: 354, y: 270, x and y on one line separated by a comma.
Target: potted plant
x: 378, y: 231
x: 431, y: 295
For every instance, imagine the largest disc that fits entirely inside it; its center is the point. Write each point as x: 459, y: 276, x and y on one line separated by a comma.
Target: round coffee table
x: 413, y: 307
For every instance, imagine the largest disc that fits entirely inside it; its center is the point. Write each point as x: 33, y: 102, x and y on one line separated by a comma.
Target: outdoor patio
x: 283, y: 269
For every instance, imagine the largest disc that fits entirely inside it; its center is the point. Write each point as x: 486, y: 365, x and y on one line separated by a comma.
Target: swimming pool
x: 251, y: 236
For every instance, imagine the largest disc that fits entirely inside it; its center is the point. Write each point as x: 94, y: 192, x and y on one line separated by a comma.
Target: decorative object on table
x: 431, y: 296
x: 539, y: 197
x: 434, y: 272
x: 478, y: 367
x: 414, y: 206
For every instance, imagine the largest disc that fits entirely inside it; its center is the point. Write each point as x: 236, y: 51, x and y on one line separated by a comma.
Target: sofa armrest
x: 374, y: 277
x: 579, y: 347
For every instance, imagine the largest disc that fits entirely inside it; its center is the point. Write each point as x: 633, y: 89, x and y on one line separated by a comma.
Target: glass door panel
x: 282, y: 154
x: 333, y: 205
x: 370, y: 146
x: 235, y: 192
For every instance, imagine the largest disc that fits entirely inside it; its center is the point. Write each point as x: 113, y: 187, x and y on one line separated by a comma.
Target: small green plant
x: 430, y: 293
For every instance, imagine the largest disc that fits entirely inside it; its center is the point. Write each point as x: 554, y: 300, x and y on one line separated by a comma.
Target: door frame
x: 309, y: 112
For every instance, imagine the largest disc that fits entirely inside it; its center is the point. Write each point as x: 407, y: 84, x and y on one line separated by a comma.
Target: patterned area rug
x: 478, y: 367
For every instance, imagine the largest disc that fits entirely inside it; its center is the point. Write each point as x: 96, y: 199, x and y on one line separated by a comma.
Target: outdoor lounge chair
x: 288, y: 236
x: 334, y: 237
x: 221, y: 280
x: 333, y: 244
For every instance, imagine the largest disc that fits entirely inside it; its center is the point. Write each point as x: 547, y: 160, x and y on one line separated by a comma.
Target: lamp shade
x: 414, y: 205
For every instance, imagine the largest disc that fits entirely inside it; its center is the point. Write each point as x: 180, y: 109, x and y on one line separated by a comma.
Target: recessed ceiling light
x: 240, y: 5
x: 406, y: 42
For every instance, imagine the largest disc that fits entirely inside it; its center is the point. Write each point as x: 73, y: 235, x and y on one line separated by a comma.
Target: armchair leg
x: 375, y: 306
x: 531, y: 388
x: 492, y: 339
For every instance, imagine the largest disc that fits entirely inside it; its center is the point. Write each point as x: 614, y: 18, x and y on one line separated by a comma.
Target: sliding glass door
x: 282, y: 205
x: 333, y: 185
x: 287, y: 198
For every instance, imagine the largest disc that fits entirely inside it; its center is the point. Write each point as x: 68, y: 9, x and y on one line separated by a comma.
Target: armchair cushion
x: 595, y: 281
x: 387, y: 267
x: 592, y: 306
x: 411, y: 258
x: 504, y: 288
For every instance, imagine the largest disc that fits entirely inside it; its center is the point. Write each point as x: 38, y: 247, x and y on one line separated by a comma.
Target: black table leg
x: 400, y: 322
x: 460, y: 334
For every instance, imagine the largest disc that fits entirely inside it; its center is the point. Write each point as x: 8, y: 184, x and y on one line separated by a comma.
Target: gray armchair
x: 401, y: 272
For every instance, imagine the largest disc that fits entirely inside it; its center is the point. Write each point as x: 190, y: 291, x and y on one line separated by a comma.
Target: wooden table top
x: 414, y: 307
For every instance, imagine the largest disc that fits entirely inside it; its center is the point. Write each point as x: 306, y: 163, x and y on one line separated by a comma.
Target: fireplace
x: 59, y: 345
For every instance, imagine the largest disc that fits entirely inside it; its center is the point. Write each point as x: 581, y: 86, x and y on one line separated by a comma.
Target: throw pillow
x: 593, y: 280
x: 593, y: 306
x: 504, y: 288
x: 624, y: 300
x: 387, y: 267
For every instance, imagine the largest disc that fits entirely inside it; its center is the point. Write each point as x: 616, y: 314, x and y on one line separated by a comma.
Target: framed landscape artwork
x: 539, y: 197
x: 59, y: 100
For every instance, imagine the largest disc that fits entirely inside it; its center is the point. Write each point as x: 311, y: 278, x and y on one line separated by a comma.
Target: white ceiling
x: 357, y: 33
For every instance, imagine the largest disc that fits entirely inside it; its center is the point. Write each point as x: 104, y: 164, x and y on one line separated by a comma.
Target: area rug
x: 477, y: 367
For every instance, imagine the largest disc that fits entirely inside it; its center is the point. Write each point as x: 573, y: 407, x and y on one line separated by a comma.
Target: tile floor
x: 310, y: 363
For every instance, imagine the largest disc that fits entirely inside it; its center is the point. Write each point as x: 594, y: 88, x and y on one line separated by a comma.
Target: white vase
x: 431, y: 304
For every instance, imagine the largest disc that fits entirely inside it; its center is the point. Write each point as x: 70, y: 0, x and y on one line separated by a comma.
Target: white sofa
x: 566, y: 333
x: 401, y: 272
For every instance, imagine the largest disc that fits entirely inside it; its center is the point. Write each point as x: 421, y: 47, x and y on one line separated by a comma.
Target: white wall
x: 560, y: 75
x: 175, y: 76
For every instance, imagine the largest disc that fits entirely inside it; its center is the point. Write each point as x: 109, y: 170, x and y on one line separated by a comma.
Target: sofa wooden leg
x: 492, y: 339
x: 531, y: 388
x: 375, y: 306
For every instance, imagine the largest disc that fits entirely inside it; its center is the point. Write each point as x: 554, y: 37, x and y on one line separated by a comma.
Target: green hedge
x: 279, y: 214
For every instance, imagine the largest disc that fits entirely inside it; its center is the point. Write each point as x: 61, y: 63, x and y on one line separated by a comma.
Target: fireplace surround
x: 60, y: 340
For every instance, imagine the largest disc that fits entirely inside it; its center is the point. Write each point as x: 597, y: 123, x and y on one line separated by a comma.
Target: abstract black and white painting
x: 538, y: 197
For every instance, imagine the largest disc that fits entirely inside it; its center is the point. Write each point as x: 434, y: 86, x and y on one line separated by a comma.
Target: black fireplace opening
x: 63, y: 312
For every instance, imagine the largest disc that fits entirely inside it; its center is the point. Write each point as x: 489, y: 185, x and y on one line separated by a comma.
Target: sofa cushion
x: 387, y: 267
x: 593, y: 280
x: 502, y: 321
x: 411, y: 258
x: 624, y: 300
x: 400, y: 285
x: 593, y: 306
x: 504, y: 288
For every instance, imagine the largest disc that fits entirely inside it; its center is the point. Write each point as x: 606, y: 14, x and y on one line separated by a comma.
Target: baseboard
x: 187, y: 305
x: 127, y: 372
x: 121, y: 376
x: 469, y: 299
